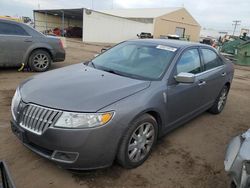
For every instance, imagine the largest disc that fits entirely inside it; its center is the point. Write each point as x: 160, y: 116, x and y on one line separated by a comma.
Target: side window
x: 12, y: 29
x: 189, y: 62
x: 211, y: 59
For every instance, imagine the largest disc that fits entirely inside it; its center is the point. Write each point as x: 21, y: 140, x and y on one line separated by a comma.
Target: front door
x: 185, y: 99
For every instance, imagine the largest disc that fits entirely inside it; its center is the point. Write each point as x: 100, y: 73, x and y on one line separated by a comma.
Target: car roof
x: 170, y: 42
x: 11, y: 21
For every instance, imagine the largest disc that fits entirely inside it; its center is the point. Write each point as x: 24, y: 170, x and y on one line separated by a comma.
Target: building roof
x: 68, y: 13
x: 141, y: 12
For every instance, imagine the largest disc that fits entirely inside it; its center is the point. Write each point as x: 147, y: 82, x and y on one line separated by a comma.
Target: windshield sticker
x: 162, y: 47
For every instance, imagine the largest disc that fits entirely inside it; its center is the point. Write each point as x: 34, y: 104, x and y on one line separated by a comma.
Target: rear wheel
x: 138, y: 142
x: 220, y: 101
x: 40, y: 61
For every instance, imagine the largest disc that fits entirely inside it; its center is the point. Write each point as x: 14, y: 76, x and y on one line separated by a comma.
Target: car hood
x: 78, y: 88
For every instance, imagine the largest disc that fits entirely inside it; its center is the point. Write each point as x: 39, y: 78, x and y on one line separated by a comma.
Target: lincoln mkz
x: 115, y: 107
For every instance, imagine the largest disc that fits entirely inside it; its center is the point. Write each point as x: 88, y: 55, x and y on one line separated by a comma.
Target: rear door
x: 4, y: 52
x: 14, y: 43
x: 214, y: 74
x: 185, y: 99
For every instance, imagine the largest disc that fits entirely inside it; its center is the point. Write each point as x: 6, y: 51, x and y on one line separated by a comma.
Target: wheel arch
x: 228, y: 84
x: 158, y: 119
x: 155, y: 114
x: 35, y: 49
x: 152, y: 112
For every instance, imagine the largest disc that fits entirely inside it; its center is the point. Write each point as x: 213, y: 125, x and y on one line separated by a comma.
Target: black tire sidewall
x: 233, y: 185
x: 214, y: 109
x: 31, y: 60
x: 218, y: 99
x: 123, y: 157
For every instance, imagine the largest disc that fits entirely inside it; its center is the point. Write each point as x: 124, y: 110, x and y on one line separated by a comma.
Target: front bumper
x: 94, y: 148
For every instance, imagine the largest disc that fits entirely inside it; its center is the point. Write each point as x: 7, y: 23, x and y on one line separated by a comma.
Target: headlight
x: 83, y: 120
x: 15, y: 102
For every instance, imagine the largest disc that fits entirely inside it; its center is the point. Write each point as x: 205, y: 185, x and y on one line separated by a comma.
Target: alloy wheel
x: 41, y: 61
x: 222, y: 99
x: 141, y: 142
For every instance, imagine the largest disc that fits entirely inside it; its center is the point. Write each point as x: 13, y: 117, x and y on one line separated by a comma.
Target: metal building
x: 112, y: 26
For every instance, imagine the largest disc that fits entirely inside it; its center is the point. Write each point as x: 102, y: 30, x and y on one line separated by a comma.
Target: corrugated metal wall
x: 167, y: 24
x: 104, y: 28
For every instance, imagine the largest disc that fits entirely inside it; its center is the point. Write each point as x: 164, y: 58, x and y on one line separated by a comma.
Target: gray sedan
x: 116, y: 106
x: 237, y: 159
x: 21, y: 44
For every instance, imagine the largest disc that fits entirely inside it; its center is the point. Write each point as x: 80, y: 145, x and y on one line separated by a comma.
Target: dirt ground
x: 190, y: 156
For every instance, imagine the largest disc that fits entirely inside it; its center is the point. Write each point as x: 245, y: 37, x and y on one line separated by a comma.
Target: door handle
x: 28, y: 40
x: 202, y: 82
x: 224, y: 74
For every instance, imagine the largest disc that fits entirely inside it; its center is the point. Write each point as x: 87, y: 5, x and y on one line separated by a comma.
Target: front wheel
x: 138, y: 142
x: 220, y: 101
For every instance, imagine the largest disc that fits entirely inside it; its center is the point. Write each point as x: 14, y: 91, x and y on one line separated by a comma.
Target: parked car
x: 175, y: 37
x: 209, y: 41
x: 85, y: 117
x: 74, y: 32
x: 21, y: 44
x: 237, y: 161
x: 144, y: 35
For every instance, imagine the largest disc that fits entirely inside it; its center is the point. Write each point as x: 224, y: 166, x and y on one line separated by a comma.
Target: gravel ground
x: 190, y: 156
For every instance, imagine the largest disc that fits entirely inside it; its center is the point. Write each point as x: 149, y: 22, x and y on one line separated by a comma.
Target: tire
x: 40, y: 61
x: 232, y: 185
x: 139, y: 138
x: 220, y: 102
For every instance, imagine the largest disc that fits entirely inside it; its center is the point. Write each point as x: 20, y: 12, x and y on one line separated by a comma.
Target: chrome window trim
x: 210, y: 70
x: 15, y: 35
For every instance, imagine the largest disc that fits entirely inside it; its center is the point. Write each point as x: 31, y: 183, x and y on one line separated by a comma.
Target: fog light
x: 66, y: 157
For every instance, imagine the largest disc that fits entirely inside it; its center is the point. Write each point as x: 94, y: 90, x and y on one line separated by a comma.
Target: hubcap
x: 41, y: 61
x: 222, y: 99
x: 141, y: 142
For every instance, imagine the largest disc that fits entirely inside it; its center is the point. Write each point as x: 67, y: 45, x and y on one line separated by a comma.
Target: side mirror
x: 184, y: 77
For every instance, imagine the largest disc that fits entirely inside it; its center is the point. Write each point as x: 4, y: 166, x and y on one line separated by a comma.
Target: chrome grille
x: 37, y: 119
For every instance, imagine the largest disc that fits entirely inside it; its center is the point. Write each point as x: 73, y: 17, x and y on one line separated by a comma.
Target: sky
x: 212, y: 14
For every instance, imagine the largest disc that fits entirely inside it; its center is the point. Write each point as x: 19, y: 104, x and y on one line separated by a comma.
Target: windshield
x: 136, y: 60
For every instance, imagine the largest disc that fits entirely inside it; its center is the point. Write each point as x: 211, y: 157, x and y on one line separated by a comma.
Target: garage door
x: 180, y: 31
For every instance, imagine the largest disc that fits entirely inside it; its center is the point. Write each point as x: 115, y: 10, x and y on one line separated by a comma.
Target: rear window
x: 12, y: 29
x: 211, y: 59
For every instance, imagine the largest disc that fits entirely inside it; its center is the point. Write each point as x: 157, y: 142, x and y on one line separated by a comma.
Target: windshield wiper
x: 113, y: 72
x: 121, y: 73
